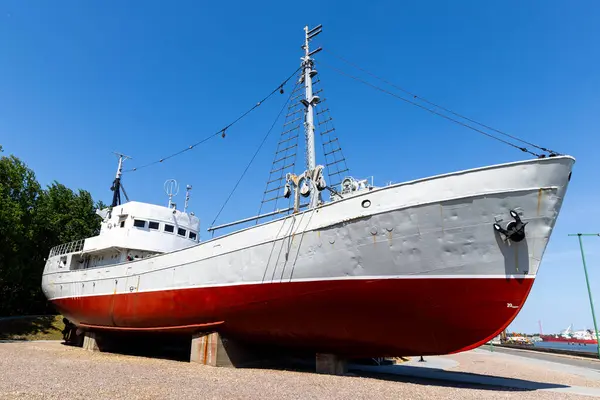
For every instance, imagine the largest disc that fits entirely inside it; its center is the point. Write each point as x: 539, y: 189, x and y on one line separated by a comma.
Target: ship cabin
x: 128, y: 232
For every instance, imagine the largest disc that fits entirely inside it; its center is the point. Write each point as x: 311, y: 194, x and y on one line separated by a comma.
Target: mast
x: 116, y: 186
x: 309, y: 102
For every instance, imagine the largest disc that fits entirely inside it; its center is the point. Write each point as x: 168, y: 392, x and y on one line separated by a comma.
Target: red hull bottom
x: 383, y: 317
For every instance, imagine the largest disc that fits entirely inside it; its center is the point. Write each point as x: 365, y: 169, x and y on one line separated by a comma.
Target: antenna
x: 171, y: 189
x: 188, y: 188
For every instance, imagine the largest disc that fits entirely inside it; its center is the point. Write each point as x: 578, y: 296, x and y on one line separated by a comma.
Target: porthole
x: 366, y: 203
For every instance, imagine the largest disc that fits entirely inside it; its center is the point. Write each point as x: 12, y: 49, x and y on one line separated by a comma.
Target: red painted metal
x: 165, y: 329
x: 380, y: 317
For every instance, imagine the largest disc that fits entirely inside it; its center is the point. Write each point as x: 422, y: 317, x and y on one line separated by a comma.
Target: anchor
x: 515, y: 230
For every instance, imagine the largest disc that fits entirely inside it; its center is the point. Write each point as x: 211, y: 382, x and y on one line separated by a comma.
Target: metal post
x: 116, y: 187
x: 587, y: 281
x: 309, y: 116
x: 187, y: 197
x: 309, y: 102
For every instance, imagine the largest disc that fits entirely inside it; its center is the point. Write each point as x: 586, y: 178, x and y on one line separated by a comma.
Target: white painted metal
x: 188, y: 188
x: 119, y: 238
x: 119, y: 168
x: 171, y: 189
x: 309, y: 126
x: 122, y: 157
x: 438, y: 227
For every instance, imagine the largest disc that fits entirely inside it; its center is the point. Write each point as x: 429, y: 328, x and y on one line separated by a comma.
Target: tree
x: 64, y: 216
x: 19, y: 191
x: 32, y: 221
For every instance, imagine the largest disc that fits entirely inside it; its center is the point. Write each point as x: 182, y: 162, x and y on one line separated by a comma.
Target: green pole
x: 587, y: 281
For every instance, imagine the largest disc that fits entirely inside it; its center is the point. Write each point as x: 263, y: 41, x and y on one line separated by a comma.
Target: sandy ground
x: 34, y: 370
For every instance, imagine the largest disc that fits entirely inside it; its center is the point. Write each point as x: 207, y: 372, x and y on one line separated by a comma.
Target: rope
x: 221, y: 131
x: 256, y: 152
x: 441, y: 107
x: 314, y: 211
x: 523, y: 149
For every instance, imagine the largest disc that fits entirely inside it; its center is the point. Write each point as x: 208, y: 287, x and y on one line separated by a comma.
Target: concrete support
x: 331, y: 364
x: 217, y: 351
x: 90, y: 341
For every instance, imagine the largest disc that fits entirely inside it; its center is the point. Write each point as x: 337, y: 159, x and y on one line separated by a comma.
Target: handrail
x: 71, y: 247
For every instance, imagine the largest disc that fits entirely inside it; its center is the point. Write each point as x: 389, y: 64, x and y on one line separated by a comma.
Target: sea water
x: 592, y: 348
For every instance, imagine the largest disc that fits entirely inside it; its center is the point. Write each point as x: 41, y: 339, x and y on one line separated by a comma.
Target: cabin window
x: 122, y: 224
x: 181, y: 232
x: 192, y: 235
x: 169, y: 228
x: 153, y: 225
x: 139, y: 223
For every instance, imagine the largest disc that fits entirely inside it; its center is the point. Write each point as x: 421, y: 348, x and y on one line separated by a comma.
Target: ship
x: 573, y: 337
x: 346, y: 269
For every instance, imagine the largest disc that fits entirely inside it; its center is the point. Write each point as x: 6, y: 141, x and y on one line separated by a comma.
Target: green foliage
x: 47, y: 327
x: 32, y: 221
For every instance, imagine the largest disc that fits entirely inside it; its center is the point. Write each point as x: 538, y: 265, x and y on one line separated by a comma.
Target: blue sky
x: 79, y: 80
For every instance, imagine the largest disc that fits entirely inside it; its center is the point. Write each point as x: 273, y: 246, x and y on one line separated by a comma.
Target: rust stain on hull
x: 205, y: 342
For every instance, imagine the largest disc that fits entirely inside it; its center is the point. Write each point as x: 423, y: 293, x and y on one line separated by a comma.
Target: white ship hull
x: 353, y: 276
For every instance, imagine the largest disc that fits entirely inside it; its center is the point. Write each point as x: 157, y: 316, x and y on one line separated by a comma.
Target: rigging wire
x: 552, y: 152
x: 258, y: 149
x: 221, y: 131
x: 523, y: 149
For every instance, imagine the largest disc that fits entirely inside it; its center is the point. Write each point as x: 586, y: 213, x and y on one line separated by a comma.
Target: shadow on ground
x: 150, y: 346
x: 178, y: 349
x: 31, y: 328
x: 443, y: 378
x: 175, y: 348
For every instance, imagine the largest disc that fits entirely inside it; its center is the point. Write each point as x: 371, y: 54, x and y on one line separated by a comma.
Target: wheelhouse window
x: 139, y: 223
x: 169, y: 228
x: 192, y: 235
x: 153, y: 225
x: 181, y: 232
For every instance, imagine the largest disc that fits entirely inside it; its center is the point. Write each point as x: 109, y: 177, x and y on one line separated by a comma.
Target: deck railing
x: 65, y: 248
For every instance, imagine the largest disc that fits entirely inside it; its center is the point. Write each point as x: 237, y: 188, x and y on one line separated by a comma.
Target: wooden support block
x: 90, y: 341
x: 217, y: 351
x: 204, y: 349
x: 331, y: 364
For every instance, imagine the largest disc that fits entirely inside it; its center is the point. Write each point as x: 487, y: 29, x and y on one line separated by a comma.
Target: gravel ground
x: 508, y: 366
x: 53, y: 371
